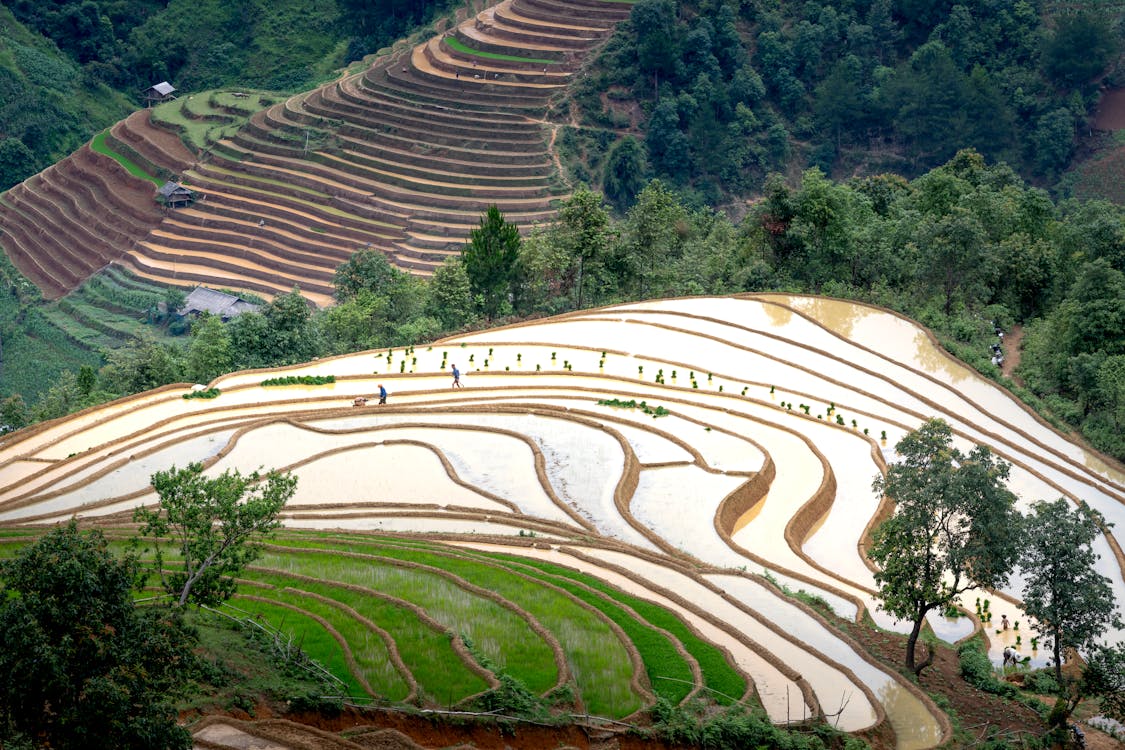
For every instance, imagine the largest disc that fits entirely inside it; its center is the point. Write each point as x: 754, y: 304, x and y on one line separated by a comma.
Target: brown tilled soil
x: 1111, y: 111
x: 1013, y: 340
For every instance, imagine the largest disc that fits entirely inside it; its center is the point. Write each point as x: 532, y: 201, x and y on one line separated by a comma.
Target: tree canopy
x: 213, y: 522
x: 954, y: 528
x: 1070, y: 603
x: 79, y: 662
x: 490, y: 261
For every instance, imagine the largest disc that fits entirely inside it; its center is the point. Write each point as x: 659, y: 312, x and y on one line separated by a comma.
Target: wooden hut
x: 161, y: 92
x: 175, y: 195
x: 224, y: 306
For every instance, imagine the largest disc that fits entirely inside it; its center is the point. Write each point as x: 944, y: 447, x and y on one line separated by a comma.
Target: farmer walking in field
x: 456, y: 377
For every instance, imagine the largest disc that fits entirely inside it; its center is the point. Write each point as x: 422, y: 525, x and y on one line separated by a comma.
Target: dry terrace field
x: 613, y: 502
x: 403, y: 157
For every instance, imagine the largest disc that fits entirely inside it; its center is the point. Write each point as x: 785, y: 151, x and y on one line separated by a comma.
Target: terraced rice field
x: 602, y: 505
x: 403, y: 157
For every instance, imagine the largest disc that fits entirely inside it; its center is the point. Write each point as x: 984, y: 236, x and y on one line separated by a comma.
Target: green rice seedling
x: 668, y: 672
x: 718, y: 673
x: 597, y: 658
x: 307, y: 633
x: 501, y: 634
x: 458, y: 45
x: 367, y: 647
x: 426, y: 651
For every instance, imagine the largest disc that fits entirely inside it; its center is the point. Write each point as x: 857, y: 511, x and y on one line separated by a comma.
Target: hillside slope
x: 403, y: 156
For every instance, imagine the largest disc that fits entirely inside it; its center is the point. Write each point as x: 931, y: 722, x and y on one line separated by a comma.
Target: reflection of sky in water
x: 904, y: 713
x: 132, y: 476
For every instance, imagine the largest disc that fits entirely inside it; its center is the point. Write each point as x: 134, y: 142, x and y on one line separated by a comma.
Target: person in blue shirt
x: 456, y: 377
x: 382, y: 394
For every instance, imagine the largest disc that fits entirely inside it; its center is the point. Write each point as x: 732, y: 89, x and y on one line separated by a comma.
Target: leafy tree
x: 652, y: 240
x: 213, y: 522
x: 1081, y: 47
x: 490, y: 260
x: 1070, y: 603
x: 1111, y: 388
x: 16, y: 162
x: 840, y: 104
x: 210, y: 352
x: 63, y: 397
x: 80, y: 665
x: 1053, y: 140
x: 14, y: 413
x: 281, y: 334
x: 582, y: 233
x: 625, y: 171
x: 927, y: 97
x: 952, y: 257
x: 954, y: 528
x: 366, y: 269
x: 141, y: 365
x: 654, y: 22
x: 1104, y: 677
x: 451, y: 297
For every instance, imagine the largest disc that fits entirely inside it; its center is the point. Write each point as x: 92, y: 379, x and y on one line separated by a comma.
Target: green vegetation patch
x: 458, y: 45
x: 312, y: 637
x: 206, y: 393
x: 99, y: 145
x: 501, y: 635
x: 724, y: 682
x: 299, y: 380
x: 598, y: 659
x: 655, y: 411
x: 427, y: 653
x: 372, y: 658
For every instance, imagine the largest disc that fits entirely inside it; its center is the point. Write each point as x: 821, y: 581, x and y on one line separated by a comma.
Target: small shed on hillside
x: 221, y: 304
x: 175, y: 195
x: 161, y: 92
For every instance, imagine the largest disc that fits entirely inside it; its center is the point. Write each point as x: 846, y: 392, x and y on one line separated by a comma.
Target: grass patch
x: 458, y: 45
x: 242, y: 665
x: 498, y: 633
x: 306, y: 632
x: 597, y: 658
x: 426, y: 651
x: 300, y: 380
x: 370, y: 652
x: 99, y: 145
x: 726, y: 684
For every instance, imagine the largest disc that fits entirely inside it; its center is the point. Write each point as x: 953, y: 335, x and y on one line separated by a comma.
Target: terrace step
x: 477, y: 39
x: 187, y: 274
x: 210, y: 268
x: 158, y: 146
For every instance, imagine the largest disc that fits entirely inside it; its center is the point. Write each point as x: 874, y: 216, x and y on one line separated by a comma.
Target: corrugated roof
x: 163, y: 88
x: 217, y: 303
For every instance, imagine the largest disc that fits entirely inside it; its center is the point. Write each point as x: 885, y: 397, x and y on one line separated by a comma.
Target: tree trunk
x: 912, y: 641
x: 1058, y: 661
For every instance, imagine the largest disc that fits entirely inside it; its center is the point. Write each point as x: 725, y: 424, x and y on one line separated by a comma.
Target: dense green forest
x: 69, y: 69
x: 963, y: 248
x: 726, y: 91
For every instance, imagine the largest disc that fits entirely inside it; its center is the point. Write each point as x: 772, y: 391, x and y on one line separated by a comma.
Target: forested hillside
x: 730, y: 91
x: 49, y: 105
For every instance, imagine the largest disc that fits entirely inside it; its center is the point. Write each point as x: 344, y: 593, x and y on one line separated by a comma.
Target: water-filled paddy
x: 526, y: 443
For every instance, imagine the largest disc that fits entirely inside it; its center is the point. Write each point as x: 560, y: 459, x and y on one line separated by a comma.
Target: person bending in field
x: 456, y: 377
x: 382, y: 394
